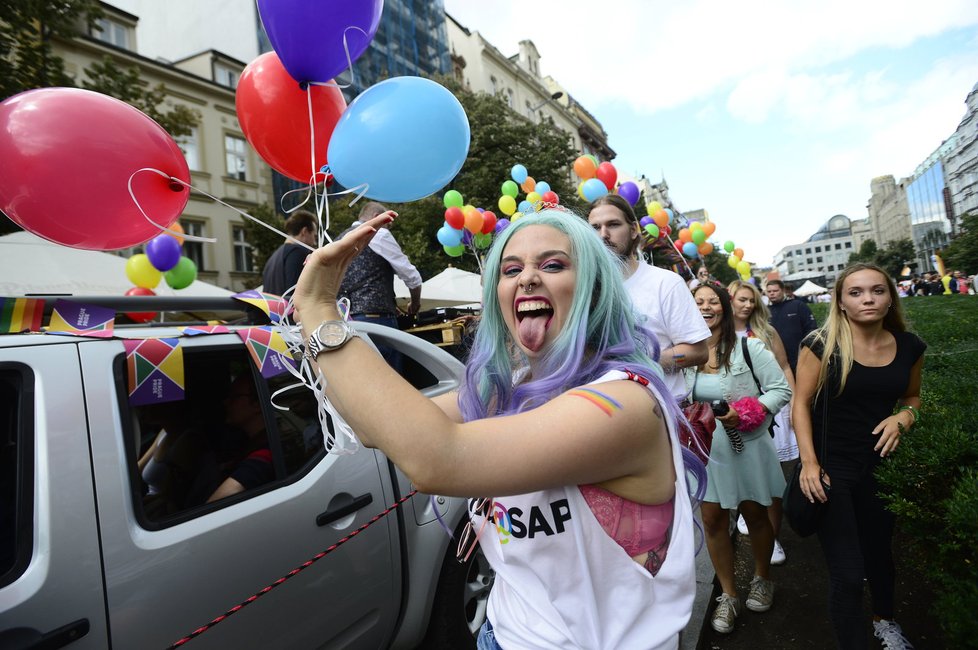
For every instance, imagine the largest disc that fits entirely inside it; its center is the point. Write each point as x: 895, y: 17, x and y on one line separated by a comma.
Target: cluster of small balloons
x: 466, y: 226
x: 536, y: 191
x: 163, y: 259
x: 691, y: 240
x: 656, y: 224
x: 736, y: 260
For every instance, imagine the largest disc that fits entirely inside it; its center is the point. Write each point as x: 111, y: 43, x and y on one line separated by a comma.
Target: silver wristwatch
x: 330, y: 335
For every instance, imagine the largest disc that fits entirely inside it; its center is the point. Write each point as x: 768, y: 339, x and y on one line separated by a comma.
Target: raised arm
x: 610, y: 433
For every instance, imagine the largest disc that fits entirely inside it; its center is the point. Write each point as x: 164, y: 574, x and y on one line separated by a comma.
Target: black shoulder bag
x: 760, y: 391
x: 804, y: 516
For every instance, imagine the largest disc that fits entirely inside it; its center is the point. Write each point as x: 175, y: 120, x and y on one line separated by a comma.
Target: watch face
x: 333, y: 334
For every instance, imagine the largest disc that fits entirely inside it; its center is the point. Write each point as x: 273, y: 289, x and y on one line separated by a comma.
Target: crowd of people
x: 565, y: 432
x: 935, y: 284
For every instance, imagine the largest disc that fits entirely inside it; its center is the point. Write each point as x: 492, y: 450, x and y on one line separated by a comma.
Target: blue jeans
x: 487, y: 638
x: 391, y: 356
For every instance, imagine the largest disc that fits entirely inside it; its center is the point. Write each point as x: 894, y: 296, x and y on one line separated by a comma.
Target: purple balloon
x: 308, y: 35
x: 501, y: 225
x: 645, y: 221
x: 629, y: 191
x: 163, y: 252
x: 466, y: 237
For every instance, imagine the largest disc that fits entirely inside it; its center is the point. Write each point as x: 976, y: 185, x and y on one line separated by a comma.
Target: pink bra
x: 636, y: 527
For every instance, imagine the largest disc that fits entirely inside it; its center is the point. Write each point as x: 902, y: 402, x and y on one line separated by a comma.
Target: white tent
x: 810, y: 289
x: 450, y: 288
x: 30, y: 264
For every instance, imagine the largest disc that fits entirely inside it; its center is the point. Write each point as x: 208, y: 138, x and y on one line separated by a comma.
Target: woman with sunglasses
x: 858, y: 391
x: 563, y: 418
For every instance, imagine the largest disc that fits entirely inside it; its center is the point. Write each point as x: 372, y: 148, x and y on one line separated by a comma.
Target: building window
x: 819, y: 259
x: 529, y: 111
x: 244, y: 261
x: 848, y: 244
x: 493, y: 87
x: 808, y: 251
x: 236, y: 150
x: 191, y: 151
x: 838, y: 247
x: 112, y: 32
x: 818, y: 249
x: 225, y: 76
x: 509, y: 97
x: 808, y: 261
x: 194, y: 249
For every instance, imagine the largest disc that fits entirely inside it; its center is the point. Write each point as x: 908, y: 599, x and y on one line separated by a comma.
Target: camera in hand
x: 720, y: 408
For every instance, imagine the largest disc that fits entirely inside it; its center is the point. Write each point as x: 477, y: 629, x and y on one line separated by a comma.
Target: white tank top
x: 562, y: 582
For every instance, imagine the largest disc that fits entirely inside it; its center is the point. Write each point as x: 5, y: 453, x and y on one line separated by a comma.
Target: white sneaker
x: 778, y: 556
x: 725, y: 614
x: 761, y: 595
x: 890, y: 635
x: 742, y: 525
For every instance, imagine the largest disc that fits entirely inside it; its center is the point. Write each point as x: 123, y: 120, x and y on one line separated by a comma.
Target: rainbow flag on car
x: 21, y: 314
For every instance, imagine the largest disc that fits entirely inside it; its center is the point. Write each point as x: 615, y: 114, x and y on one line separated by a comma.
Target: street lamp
x: 557, y: 95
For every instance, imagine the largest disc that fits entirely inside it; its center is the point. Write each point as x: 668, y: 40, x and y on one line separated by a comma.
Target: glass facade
x: 929, y: 223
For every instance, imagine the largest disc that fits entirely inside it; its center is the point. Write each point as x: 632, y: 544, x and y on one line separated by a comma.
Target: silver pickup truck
x: 113, y: 534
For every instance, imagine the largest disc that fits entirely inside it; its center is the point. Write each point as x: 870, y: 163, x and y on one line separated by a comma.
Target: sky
x: 771, y: 115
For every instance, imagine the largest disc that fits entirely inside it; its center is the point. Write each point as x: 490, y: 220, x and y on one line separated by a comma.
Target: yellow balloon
x: 580, y: 191
x: 533, y: 197
x: 516, y: 216
x: 695, y: 225
x: 743, y: 267
x: 507, y: 204
x: 733, y: 261
x: 653, y: 207
x: 141, y: 272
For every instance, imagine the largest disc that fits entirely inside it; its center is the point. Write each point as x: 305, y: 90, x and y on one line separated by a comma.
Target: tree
x: 895, y: 256
x: 962, y: 252
x: 107, y: 77
x: 263, y: 241
x: 866, y: 253
x: 27, y: 29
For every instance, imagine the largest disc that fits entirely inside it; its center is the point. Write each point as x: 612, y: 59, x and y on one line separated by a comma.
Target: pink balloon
x: 67, y: 158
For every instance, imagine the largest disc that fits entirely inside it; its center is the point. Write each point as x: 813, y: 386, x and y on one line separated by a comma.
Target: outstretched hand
x: 319, y: 284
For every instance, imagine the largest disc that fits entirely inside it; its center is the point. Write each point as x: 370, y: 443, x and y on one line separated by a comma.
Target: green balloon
x: 510, y: 188
x: 455, y: 251
x: 698, y: 237
x: 182, y: 275
x: 653, y: 230
x: 483, y: 240
x: 453, y: 199
x: 729, y: 246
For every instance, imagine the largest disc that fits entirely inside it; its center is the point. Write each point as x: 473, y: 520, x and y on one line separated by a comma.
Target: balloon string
x: 174, y: 233
x: 349, y: 62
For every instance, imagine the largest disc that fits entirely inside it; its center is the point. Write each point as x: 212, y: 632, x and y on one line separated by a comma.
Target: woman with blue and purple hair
x: 563, y: 418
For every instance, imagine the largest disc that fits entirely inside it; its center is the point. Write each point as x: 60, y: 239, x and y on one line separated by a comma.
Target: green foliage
x: 716, y: 263
x: 109, y: 78
x: 263, y: 241
x: 962, y: 253
x: 27, y: 28
x: 866, y: 253
x: 931, y: 482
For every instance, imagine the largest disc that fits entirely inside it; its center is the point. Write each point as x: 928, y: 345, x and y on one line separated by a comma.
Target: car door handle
x: 333, y: 514
x: 26, y: 637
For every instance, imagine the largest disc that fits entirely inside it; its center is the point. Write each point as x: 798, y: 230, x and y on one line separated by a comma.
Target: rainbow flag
x: 21, y: 314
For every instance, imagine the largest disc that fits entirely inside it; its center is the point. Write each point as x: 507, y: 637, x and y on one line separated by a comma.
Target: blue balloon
x: 448, y: 236
x: 542, y: 187
x: 525, y: 207
x: 593, y: 189
x: 405, y: 137
x: 519, y: 173
x: 689, y: 249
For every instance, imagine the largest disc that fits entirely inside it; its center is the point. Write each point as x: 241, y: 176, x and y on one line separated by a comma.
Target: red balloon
x: 455, y: 218
x: 67, y: 157
x: 141, y: 316
x: 607, y: 174
x: 488, y: 222
x: 550, y: 197
x: 274, y: 115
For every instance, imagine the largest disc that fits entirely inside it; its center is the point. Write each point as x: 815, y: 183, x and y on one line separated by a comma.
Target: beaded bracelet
x: 914, y: 413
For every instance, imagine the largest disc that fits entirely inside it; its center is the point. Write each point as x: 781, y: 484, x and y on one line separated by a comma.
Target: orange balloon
x: 685, y: 235
x: 529, y: 184
x: 585, y: 168
x: 705, y: 248
x: 176, y: 227
x: 661, y: 218
x: 473, y: 221
x: 709, y: 227
x: 739, y: 252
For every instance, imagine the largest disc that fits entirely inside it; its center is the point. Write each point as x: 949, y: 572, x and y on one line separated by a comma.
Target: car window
x: 222, y: 442
x: 16, y: 470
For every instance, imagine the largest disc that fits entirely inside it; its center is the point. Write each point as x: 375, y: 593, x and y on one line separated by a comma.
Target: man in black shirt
x: 790, y: 317
x: 284, y: 266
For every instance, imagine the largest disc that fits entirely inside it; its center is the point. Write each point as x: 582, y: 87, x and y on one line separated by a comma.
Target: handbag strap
x: 743, y: 343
